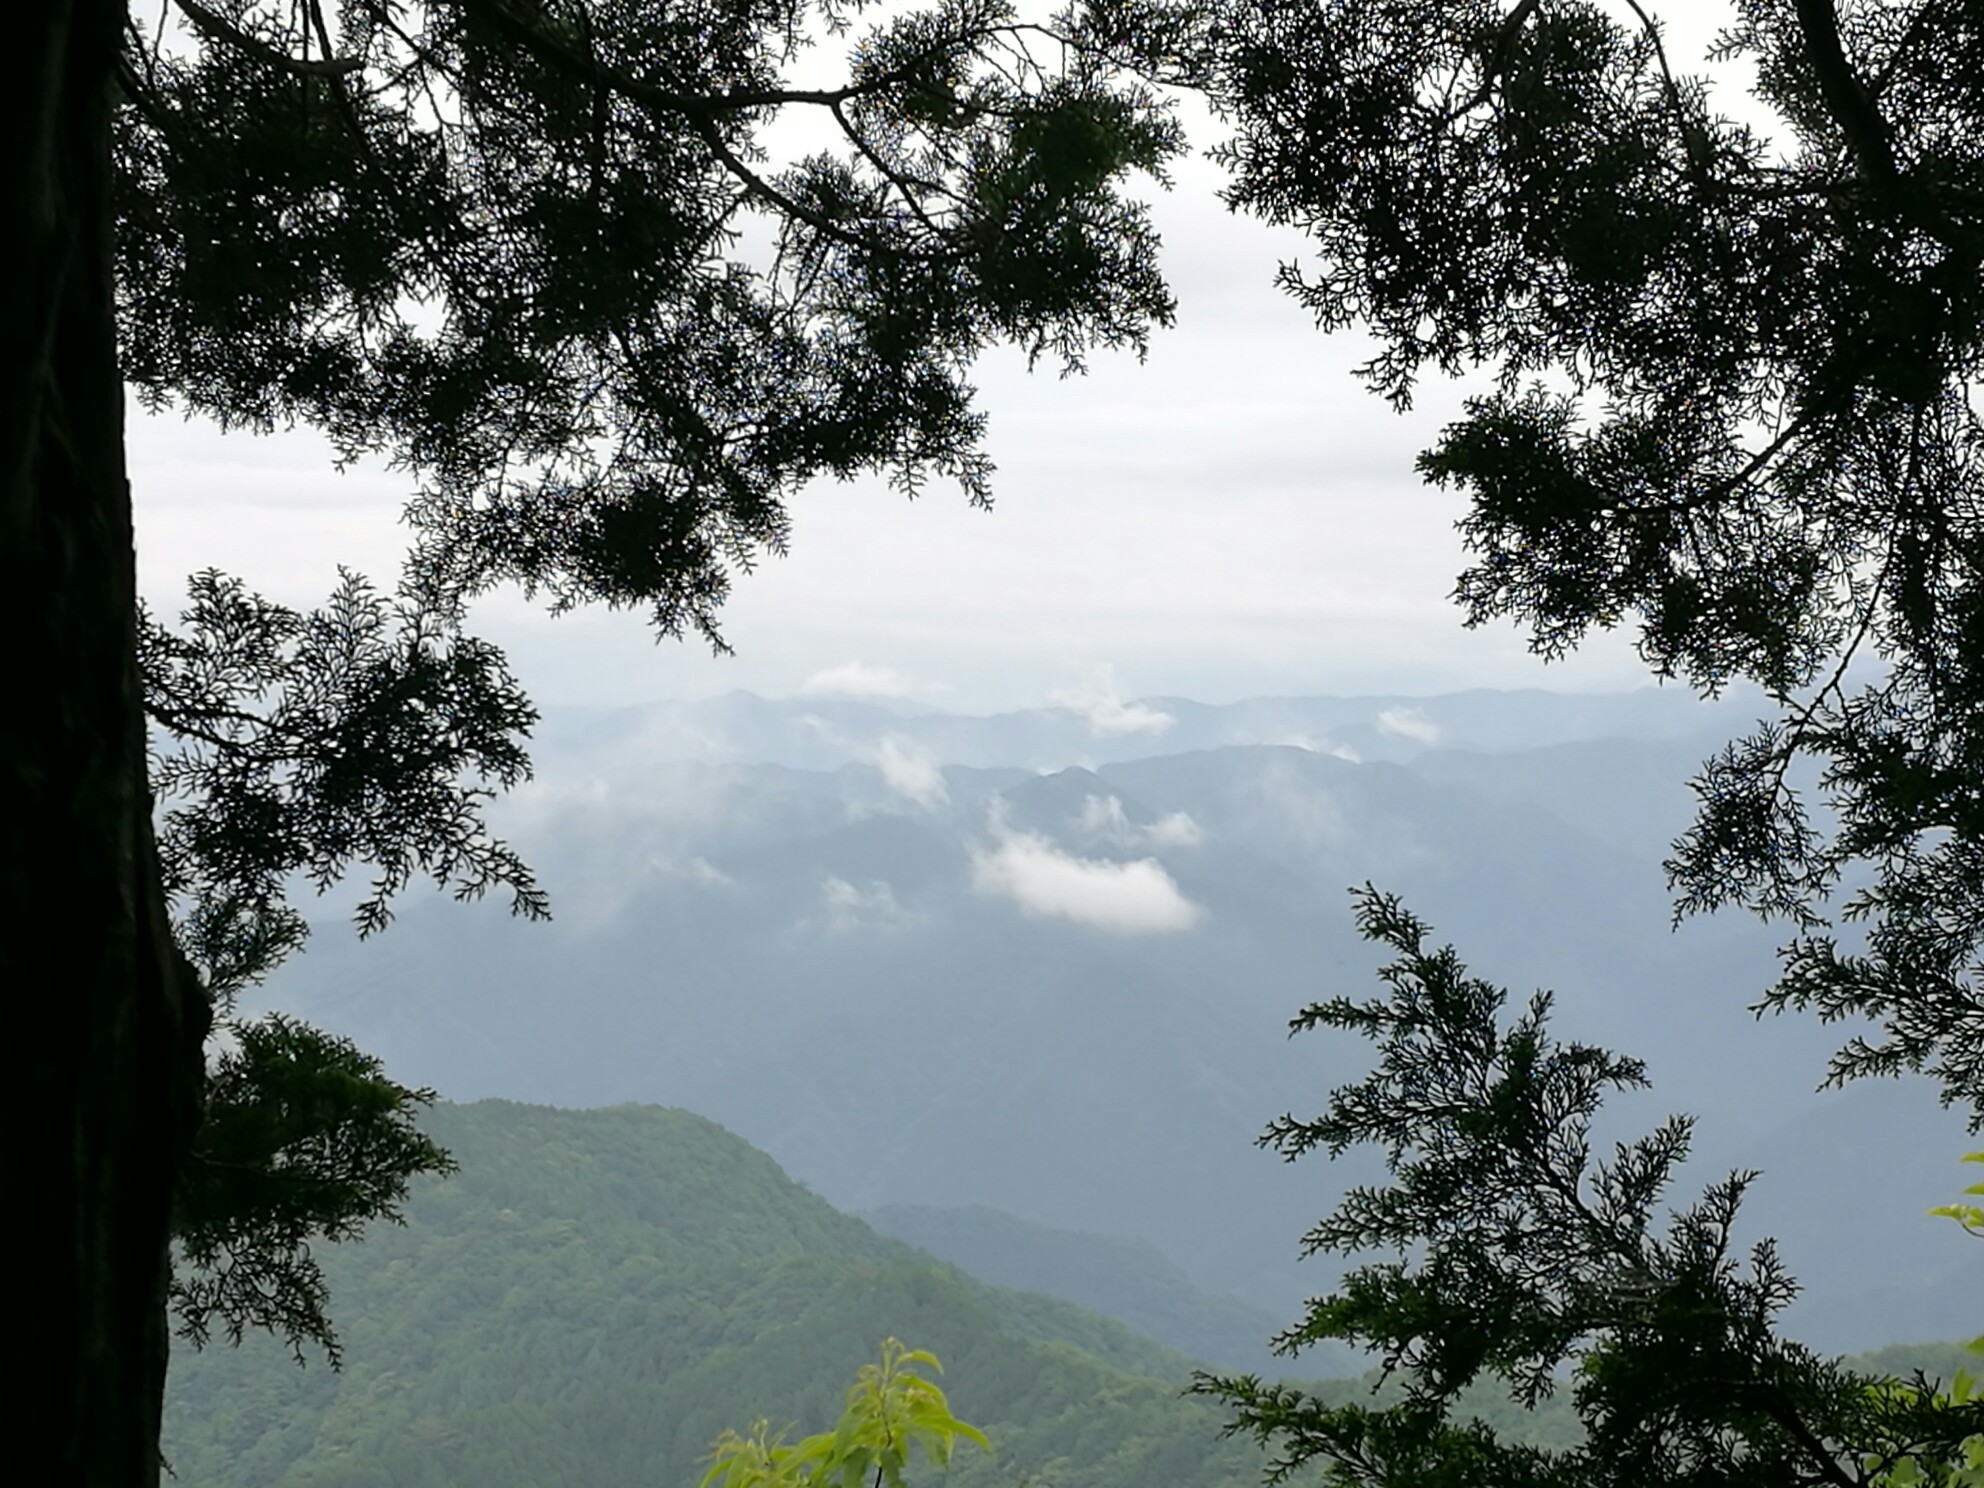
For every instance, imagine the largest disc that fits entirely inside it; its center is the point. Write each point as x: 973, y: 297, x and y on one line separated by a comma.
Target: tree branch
x: 700, y: 108
x: 1690, y: 138
x: 217, y: 27
x: 568, y: 59
x: 737, y: 166
x: 1779, y: 1407
x: 1498, y: 58
x: 1846, y: 97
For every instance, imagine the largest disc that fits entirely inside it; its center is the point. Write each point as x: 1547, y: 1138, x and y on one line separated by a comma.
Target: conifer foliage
x: 541, y: 255
x: 503, y: 242
x: 1512, y: 1253
x: 1734, y: 408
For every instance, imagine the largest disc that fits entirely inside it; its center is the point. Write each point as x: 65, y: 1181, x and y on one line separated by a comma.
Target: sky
x: 1235, y: 517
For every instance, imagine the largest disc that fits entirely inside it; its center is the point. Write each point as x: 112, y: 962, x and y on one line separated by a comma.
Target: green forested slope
x: 598, y: 1293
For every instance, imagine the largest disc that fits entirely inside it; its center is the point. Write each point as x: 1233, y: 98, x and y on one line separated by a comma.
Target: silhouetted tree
x: 498, y: 241
x: 1735, y: 407
x: 1510, y: 1253
x: 294, y: 747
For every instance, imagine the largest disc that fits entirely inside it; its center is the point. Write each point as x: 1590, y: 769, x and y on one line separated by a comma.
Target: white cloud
x: 906, y: 767
x: 1136, y: 898
x: 1409, y: 723
x: 696, y: 870
x: 910, y: 773
x: 1176, y: 830
x: 1317, y: 744
x: 856, y: 679
x: 847, y: 906
x: 1287, y: 800
x: 1097, y: 702
x: 1103, y: 816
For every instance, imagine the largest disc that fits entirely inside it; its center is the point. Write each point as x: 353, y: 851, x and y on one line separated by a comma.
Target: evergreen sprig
x: 1516, y: 1255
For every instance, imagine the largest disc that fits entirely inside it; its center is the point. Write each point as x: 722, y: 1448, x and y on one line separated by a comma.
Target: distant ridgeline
x: 1124, y: 1279
x: 1074, y: 946
x: 599, y: 1293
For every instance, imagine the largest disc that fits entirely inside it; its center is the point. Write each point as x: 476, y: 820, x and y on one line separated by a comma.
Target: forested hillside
x: 1123, y: 1279
x: 598, y: 1294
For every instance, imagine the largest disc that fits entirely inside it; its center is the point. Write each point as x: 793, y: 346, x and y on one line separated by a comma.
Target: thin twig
x: 1690, y: 141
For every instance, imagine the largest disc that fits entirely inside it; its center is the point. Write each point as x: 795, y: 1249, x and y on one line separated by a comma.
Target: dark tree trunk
x: 106, y: 1023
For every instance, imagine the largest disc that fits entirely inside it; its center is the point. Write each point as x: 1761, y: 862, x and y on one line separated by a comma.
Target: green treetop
x: 891, y: 1410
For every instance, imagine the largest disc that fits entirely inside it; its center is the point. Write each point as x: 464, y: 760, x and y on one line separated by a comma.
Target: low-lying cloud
x: 1134, y: 898
x: 906, y: 767
x: 1103, y: 816
x: 910, y: 772
x: 1098, y: 704
x: 1409, y: 723
x: 850, y: 906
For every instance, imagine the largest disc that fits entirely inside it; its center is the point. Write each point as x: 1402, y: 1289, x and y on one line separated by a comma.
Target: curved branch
x: 570, y: 60
x: 1690, y: 138
x: 909, y: 187
x: 217, y: 27
x: 740, y: 168
x: 701, y: 109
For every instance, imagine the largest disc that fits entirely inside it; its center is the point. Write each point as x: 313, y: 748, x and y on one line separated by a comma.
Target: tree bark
x: 107, y: 1019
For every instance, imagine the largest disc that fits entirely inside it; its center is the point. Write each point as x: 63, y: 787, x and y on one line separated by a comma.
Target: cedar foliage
x: 537, y: 254
x: 1509, y: 1255
x: 1733, y: 408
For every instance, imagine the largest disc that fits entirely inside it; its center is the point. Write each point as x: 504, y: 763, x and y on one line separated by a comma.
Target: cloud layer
x: 1409, y: 723
x: 1135, y: 898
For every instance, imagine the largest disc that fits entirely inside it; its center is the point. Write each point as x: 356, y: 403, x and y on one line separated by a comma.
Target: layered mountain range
x: 1038, y: 968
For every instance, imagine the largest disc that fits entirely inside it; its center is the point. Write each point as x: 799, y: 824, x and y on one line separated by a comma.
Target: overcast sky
x: 1235, y: 517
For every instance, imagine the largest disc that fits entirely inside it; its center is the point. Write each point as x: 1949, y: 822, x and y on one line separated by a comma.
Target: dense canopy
x: 550, y: 256
x: 1735, y: 407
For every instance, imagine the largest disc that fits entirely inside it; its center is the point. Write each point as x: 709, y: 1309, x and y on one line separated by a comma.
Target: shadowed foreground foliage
x: 1733, y: 408
x: 1516, y: 1259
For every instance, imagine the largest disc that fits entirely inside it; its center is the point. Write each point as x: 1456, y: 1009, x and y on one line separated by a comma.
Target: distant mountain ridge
x: 820, y: 733
x: 1122, y: 1279
x: 1061, y: 992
